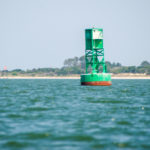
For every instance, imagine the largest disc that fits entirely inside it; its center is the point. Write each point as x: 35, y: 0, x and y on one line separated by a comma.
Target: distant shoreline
x: 75, y: 77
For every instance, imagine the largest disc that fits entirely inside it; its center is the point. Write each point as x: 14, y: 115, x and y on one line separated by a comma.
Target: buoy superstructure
x: 96, y: 73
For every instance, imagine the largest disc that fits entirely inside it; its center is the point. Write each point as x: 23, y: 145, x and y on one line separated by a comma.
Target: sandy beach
x: 40, y: 77
x: 75, y: 77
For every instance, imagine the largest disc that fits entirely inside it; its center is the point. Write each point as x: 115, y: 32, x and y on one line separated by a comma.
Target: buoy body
x: 97, y: 79
x: 96, y: 72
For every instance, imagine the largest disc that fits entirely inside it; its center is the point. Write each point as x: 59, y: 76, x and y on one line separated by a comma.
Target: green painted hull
x: 97, y: 79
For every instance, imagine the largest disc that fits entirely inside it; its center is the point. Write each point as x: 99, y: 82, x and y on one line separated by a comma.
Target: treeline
x: 76, y: 66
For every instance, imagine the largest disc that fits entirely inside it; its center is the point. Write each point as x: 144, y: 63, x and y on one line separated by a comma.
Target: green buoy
x: 96, y: 73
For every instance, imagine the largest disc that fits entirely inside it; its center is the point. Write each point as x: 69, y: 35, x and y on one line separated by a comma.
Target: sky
x: 43, y: 33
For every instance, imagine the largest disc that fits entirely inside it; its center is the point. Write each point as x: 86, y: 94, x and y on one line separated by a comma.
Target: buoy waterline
x: 96, y: 73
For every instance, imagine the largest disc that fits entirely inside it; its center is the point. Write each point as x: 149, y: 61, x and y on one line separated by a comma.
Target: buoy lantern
x: 96, y: 73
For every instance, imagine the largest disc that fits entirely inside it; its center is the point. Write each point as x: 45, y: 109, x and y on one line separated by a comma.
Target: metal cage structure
x: 94, y: 51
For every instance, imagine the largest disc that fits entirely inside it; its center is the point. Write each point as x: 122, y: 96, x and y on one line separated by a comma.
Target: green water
x: 62, y: 115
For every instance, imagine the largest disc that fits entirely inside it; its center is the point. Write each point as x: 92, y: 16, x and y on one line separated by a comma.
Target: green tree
x: 145, y: 63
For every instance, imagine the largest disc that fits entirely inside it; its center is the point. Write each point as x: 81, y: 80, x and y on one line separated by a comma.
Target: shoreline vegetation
x: 73, y: 67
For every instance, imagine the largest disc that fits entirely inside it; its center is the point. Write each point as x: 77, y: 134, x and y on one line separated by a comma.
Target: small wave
x: 15, y: 116
x: 15, y: 144
x: 76, y: 138
x: 123, y: 123
x: 104, y: 100
x: 37, y: 135
x: 36, y: 109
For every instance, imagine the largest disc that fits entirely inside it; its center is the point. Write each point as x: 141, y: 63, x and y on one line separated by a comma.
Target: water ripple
x: 61, y: 114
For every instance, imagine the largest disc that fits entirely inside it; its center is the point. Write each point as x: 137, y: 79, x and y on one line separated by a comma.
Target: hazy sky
x: 42, y: 33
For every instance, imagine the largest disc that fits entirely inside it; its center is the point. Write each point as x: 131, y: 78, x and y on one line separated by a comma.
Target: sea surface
x: 49, y: 114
